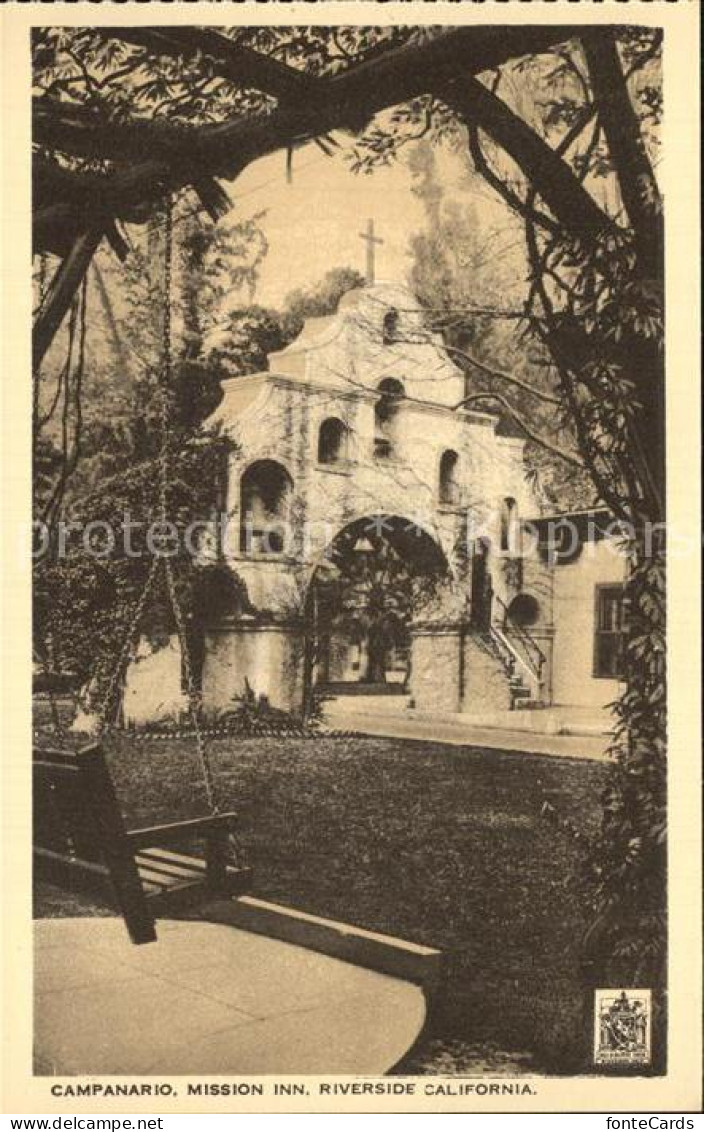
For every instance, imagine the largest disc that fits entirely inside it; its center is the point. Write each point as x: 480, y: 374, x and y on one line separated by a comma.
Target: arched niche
x: 509, y: 527
x: 266, y: 490
x: 448, y: 481
x: 386, y: 417
x: 333, y: 441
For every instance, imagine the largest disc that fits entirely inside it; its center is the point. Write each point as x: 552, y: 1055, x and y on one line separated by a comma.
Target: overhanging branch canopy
x: 138, y: 161
x: 152, y: 158
x: 240, y: 65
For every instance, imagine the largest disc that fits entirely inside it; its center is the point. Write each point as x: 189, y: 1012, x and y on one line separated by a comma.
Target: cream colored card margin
x: 681, y: 1088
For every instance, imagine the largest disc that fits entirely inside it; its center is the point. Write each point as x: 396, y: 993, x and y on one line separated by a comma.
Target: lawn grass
x: 440, y: 845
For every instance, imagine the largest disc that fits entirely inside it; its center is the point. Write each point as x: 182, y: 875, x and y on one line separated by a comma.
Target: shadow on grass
x: 442, y: 846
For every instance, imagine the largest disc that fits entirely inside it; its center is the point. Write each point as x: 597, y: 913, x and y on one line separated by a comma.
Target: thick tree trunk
x: 376, y: 658
x: 62, y: 289
x: 553, y: 180
x: 636, y: 178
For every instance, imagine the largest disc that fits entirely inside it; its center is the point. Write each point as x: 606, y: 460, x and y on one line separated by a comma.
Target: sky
x: 313, y: 224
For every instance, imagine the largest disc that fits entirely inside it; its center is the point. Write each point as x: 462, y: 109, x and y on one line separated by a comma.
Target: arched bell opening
x: 333, y: 442
x: 448, y: 485
x: 266, y: 491
x: 386, y: 418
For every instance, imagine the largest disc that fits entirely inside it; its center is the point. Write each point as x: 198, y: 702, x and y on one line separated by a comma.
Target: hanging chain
x: 193, y: 692
x: 79, y: 305
x: 166, y: 384
x: 166, y: 370
x: 124, y: 654
x: 164, y: 465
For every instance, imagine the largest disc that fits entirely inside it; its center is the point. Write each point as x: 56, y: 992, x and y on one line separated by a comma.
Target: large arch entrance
x: 375, y: 578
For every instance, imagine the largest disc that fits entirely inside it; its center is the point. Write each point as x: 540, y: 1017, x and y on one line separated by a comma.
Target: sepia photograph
x: 348, y: 552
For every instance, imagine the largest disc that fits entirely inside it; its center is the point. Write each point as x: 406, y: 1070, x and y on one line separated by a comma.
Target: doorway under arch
x: 373, y: 579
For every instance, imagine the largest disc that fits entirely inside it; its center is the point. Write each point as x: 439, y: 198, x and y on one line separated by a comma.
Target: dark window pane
x: 608, y: 652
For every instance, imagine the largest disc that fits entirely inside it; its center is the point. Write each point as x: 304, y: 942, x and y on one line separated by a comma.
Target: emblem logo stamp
x: 622, y: 1027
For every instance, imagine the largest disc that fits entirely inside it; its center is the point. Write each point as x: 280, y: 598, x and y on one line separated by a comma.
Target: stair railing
x: 530, y: 655
x: 501, y: 649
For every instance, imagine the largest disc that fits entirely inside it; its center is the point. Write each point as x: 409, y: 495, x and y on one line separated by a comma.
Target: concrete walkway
x: 460, y: 731
x: 207, y: 998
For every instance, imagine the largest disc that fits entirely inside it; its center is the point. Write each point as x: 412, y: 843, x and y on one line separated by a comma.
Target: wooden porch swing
x: 80, y: 840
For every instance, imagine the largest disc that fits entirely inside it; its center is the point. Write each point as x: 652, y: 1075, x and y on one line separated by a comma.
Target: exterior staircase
x: 520, y: 656
x: 493, y: 646
x: 521, y: 695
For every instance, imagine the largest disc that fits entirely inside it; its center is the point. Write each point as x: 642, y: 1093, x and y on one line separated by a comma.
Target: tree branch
x: 240, y: 65
x: 514, y: 202
x: 604, y: 481
x: 646, y: 56
x: 568, y: 457
x: 344, y: 101
x: 83, y: 131
x: 501, y: 375
x: 552, y: 179
x: 639, y: 189
x: 62, y: 289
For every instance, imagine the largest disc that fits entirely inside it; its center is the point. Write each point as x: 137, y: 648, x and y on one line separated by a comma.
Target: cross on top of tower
x: 370, y: 240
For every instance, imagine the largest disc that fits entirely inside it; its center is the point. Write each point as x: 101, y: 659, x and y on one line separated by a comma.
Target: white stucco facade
x: 361, y: 418
x: 576, y: 588
x: 333, y: 371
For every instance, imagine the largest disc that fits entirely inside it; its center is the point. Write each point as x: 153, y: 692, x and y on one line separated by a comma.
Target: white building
x: 358, y: 427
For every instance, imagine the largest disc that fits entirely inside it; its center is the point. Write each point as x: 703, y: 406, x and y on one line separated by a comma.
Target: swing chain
x: 193, y: 692
x: 126, y: 648
x: 165, y: 372
x: 192, y: 689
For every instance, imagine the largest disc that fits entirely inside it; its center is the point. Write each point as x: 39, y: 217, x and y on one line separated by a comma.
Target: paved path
x: 206, y: 998
x: 460, y: 733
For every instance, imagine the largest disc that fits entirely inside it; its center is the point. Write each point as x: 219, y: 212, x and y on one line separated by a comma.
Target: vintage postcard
x: 351, y: 578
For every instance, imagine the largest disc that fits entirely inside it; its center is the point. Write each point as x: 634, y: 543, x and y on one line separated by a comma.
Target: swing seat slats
x: 80, y: 842
x: 166, y: 860
x: 182, y: 869
x: 187, y: 882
